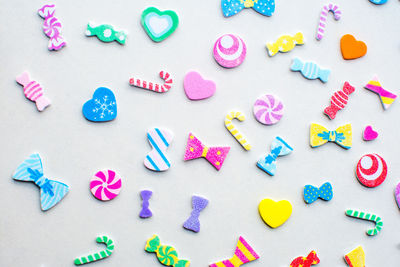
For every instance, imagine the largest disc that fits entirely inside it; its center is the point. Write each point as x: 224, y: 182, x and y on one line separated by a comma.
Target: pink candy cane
x: 322, y: 19
x: 52, y: 27
x: 159, y: 88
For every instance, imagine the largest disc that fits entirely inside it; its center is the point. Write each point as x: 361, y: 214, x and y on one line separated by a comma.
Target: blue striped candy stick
x: 369, y: 217
x: 310, y: 70
x: 160, y: 140
x: 98, y: 255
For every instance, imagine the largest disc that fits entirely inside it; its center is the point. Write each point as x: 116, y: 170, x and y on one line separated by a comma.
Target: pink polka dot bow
x: 215, y: 155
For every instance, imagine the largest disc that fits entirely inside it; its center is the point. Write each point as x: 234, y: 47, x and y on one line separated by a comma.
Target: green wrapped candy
x: 106, y: 33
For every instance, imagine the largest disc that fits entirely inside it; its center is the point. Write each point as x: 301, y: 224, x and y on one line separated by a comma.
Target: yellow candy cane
x: 235, y: 132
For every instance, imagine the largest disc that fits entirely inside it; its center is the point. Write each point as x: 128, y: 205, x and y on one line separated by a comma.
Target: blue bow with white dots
x: 312, y: 193
x: 232, y: 7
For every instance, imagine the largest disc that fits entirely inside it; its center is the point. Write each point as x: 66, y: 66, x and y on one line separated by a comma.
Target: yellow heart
x: 274, y: 213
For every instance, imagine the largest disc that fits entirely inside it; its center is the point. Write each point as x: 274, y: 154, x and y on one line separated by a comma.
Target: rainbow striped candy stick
x: 156, y: 87
x: 387, y: 98
x: 369, y: 217
x: 322, y: 19
x: 98, y: 255
x: 235, y: 132
x: 244, y: 253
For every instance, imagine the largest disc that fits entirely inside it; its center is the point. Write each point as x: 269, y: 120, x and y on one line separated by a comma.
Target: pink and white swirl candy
x: 52, y: 27
x: 105, y: 185
x: 229, y: 51
x: 268, y: 109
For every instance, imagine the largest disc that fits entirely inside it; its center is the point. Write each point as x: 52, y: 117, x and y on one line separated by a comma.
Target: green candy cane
x: 106, y: 33
x: 369, y: 217
x: 167, y: 255
x: 98, y: 255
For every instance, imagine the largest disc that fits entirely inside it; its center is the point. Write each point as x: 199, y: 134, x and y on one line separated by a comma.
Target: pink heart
x: 369, y: 134
x: 196, y: 88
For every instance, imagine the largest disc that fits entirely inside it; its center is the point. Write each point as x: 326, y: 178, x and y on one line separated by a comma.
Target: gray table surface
x: 73, y: 149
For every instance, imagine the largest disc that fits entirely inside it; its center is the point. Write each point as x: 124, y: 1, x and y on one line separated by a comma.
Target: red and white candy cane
x: 322, y: 19
x: 156, y: 87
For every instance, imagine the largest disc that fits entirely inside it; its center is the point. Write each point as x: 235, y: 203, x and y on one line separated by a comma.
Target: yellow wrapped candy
x: 285, y: 43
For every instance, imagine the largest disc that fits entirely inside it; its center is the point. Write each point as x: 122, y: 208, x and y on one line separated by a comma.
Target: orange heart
x: 351, y: 48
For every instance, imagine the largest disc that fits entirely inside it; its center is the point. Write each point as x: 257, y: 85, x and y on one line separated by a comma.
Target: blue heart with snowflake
x: 102, y: 107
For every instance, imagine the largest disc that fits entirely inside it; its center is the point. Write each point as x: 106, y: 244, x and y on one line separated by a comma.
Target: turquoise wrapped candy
x: 106, y: 33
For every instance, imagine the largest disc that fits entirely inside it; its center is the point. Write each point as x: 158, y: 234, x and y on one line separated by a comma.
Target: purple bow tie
x: 193, y: 223
x: 145, y: 212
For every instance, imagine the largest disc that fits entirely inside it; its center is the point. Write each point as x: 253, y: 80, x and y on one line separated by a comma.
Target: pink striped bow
x: 215, y: 155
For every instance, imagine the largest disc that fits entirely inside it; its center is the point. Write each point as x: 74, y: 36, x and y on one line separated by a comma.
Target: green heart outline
x: 170, y: 13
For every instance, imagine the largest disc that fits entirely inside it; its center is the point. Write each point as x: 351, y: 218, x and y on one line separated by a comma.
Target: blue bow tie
x: 312, y: 193
x: 278, y: 148
x: 51, y: 192
x: 232, y: 7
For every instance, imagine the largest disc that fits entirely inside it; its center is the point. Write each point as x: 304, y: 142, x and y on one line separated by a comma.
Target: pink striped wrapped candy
x: 33, y: 91
x: 105, y: 185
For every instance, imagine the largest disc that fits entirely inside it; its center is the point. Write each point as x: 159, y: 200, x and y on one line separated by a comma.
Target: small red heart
x: 369, y: 134
x: 351, y: 48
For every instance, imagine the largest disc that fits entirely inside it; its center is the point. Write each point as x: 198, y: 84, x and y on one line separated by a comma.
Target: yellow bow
x: 342, y: 136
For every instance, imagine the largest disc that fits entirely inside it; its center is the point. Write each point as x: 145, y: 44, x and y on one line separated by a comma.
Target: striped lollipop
x: 229, y: 51
x: 371, y: 170
x: 105, y: 185
x: 268, y: 109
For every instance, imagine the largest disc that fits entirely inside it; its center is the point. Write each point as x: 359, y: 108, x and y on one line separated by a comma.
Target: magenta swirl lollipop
x: 105, y: 185
x: 229, y: 51
x: 268, y: 109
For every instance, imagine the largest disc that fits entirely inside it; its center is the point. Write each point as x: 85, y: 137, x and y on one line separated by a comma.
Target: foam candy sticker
x: 196, y: 149
x: 278, y: 148
x: 369, y: 133
x: 102, y: 107
x: 145, y: 211
x: 339, y: 100
x: 312, y: 193
x: 105, y: 185
x: 351, y: 48
x: 160, y: 140
x: 232, y: 7
x: 167, y: 255
x: 244, y: 253
x: 387, y: 98
x: 268, y: 109
x: 323, y: 17
x: 51, y: 192
x: 33, y: 91
x: 229, y: 51
x: 106, y: 33
x: 197, y: 88
x: 378, y: 2
x: 274, y: 213
x: 319, y: 135
x: 285, y: 43
x: 155, y: 87
x: 98, y: 255
x: 356, y: 257
x: 159, y: 24
x: 52, y: 27
x: 310, y: 70
x: 235, y: 132
x: 193, y: 223
x: 371, y: 170
x: 397, y: 195
x: 369, y: 217
x: 311, y: 259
